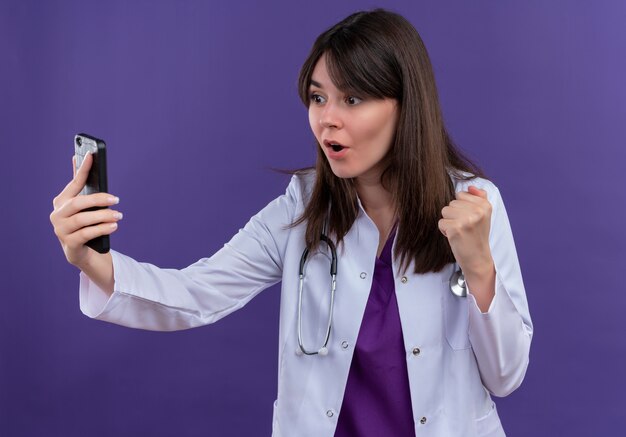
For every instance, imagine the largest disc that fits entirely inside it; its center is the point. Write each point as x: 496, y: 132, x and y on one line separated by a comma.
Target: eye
x: 316, y: 98
x: 351, y: 100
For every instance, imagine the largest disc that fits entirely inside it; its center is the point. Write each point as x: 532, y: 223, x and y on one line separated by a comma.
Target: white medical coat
x: 456, y: 356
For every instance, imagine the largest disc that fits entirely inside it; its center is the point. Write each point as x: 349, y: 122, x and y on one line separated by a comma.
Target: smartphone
x: 97, y: 179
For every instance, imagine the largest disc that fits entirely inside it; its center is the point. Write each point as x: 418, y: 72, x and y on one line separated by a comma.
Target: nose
x: 330, y: 118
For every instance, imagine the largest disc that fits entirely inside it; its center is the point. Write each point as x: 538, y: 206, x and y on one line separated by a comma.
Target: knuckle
x: 452, y: 231
x: 82, y: 203
x: 78, y: 220
x: 71, y: 203
x: 91, y: 201
x: 84, y: 235
x: 58, y: 229
x: 70, y: 244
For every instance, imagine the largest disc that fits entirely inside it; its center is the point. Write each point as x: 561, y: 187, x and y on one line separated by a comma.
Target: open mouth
x: 334, y: 146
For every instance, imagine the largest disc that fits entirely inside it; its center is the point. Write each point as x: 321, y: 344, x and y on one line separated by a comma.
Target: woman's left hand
x: 466, y: 222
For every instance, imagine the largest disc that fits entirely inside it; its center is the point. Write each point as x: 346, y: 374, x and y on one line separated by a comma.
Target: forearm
x: 99, y: 268
x: 481, y: 280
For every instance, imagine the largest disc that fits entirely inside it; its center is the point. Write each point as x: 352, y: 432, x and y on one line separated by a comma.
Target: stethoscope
x: 457, y: 287
x: 333, y: 282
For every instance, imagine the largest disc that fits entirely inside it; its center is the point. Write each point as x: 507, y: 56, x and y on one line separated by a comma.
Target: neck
x: 377, y: 202
x: 374, y: 197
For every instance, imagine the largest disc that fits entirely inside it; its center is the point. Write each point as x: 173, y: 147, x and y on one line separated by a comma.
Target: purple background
x: 197, y: 102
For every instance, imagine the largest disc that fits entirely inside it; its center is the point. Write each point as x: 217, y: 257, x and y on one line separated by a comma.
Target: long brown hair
x: 379, y: 54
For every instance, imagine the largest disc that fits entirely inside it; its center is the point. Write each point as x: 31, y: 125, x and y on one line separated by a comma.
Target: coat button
x: 404, y: 279
x: 330, y: 413
x: 423, y: 420
x: 363, y: 275
x: 344, y: 345
x: 416, y: 351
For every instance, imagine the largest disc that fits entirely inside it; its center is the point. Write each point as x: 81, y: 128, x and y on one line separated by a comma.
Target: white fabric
x: 465, y: 354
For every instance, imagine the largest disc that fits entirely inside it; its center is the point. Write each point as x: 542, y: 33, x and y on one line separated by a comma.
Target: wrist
x: 85, y: 262
x: 481, y: 282
x: 479, y: 267
x: 99, y: 268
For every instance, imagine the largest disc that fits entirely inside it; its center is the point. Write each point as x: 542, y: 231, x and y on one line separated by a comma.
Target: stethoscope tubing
x: 458, y: 287
x: 333, y: 277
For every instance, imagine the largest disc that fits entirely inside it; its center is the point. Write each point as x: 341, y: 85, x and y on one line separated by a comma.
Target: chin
x: 343, y: 173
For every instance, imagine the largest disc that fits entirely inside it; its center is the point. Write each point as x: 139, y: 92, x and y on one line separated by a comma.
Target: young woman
x: 411, y: 351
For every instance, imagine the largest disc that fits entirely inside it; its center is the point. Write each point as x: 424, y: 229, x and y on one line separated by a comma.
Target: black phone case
x: 97, y: 182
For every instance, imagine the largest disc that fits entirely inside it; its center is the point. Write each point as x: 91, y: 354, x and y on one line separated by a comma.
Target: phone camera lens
x: 79, y: 141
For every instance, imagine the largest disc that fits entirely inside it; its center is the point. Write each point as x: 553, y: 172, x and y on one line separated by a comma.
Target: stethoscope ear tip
x: 323, y: 351
x: 299, y: 352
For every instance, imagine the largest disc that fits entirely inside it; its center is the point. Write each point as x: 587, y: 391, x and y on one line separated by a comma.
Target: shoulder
x: 301, y: 184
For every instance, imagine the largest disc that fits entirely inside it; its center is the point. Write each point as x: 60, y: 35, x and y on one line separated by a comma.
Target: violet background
x: 197, y: 102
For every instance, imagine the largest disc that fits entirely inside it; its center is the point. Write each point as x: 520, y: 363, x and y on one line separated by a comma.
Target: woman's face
x: 355, y: 133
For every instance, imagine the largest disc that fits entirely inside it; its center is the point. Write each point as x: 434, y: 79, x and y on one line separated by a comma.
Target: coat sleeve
x: 149, y: 297
x: 501, y: 337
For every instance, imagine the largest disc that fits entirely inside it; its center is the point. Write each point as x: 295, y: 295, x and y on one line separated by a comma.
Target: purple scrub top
x: 377, y: 400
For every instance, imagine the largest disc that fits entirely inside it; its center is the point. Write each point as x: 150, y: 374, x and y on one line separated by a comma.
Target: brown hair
x: 379, y: 54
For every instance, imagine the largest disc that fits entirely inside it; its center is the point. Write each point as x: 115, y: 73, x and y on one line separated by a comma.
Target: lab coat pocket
x: 489, y: 425
x: 456, y: 319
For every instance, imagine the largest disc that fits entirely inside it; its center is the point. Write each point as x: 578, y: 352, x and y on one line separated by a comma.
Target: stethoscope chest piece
x: 457, y: 284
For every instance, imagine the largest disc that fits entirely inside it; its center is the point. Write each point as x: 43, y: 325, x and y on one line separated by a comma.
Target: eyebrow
x: 316, y: 83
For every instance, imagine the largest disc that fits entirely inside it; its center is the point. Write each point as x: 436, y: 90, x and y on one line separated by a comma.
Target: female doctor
x: 413, y: 349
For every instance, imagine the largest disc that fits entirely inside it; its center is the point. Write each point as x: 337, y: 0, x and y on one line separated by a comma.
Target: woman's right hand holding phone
x: 74, y: 227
